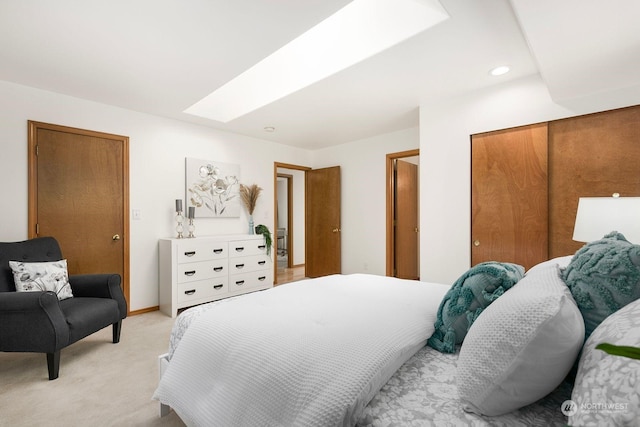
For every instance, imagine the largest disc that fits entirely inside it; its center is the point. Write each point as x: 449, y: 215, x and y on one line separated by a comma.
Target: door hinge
x: 37, y: 150
x: 37, y: 229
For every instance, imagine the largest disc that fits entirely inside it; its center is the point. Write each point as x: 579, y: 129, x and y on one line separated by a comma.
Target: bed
x: 504, y: 348
x: 312, y: 352
x: 341, y: 350
x: 423, y: 393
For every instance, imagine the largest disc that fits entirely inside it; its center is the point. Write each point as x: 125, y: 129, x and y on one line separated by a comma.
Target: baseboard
x: 144, y: 310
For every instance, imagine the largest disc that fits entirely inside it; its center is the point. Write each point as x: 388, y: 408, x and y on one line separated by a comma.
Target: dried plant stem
x: 250, y: 194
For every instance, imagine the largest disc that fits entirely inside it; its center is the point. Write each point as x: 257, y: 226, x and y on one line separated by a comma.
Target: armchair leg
x: 116, y: 331
x: 53, y: 364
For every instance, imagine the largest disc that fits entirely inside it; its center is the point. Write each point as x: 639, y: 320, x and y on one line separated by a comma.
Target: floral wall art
x: 213, y: 188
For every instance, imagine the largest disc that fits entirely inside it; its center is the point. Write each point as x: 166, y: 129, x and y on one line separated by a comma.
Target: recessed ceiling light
x: 498, y: 71
x: 356, y: 32
x: 269, y: 129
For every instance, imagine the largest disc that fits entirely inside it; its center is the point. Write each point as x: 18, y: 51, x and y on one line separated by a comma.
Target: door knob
x: 116, y: 237
x: 335, y: 230
x: 476, y: 243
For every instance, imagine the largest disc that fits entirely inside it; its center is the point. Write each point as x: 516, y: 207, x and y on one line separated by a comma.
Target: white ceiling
x: 162, y: 56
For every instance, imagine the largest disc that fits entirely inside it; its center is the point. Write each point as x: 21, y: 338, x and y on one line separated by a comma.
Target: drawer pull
x: 217, y: 287
x: 262, y: 247
x: 240, y: 282
x: 261, y: 278
x: 216, y: 269
x: 190, y: 292
x: 189, y: 273
x: 262, y: 262
x: 239, y: 266
x: 217, y: 251
x: 191, y: 253
x: 240, y: 249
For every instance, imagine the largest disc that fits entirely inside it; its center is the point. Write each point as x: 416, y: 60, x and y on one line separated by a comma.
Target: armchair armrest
x: 99, y: 286
x: 32, y: 321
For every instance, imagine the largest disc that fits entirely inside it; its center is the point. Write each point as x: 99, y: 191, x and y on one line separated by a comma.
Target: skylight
x: 356, y: 32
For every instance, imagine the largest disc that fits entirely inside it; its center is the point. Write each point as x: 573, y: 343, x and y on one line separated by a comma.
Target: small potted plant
x: 262, y: 229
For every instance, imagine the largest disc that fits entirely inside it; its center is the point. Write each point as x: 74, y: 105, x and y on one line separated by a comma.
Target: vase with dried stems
x: 249, y: 195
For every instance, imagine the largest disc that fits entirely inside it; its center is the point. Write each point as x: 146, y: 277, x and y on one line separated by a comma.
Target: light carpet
x: 100, y: 383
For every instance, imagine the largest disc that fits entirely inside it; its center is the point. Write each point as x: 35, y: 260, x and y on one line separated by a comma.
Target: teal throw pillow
x: 603, y: 277
x: 468, y: 296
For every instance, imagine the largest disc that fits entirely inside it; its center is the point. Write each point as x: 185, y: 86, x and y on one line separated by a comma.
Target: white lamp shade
x: 598, y: 216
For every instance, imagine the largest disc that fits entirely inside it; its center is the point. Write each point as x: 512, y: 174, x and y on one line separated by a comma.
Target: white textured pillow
x: 561, y: 262
x: 522, y: 346
x: 607, y: 388
x: 42, y: 276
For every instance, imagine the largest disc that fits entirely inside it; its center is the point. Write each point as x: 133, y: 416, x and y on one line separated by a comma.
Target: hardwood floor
x: 286, y: 275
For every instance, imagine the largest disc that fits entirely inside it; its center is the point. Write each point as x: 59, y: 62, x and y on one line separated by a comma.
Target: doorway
x: 289, y: 227
x: 403, y: 232
x: 316, y: 212
x: 79, y: 194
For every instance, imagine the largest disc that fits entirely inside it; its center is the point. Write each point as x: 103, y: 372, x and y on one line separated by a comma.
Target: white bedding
x: 309, y: 353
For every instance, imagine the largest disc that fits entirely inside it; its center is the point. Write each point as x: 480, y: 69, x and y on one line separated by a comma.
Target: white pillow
x: 561, y: 262
x: 607, y: 388
x: 522, y: 346
x: 42, y: 276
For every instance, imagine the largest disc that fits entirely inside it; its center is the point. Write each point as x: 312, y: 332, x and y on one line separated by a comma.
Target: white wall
x: 299, y: 232
x: 157, y: 148
x: 283, y: 211
x: 363, y: 212
x: 445, y: 162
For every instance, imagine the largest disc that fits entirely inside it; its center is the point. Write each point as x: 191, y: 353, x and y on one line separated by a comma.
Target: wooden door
x: 78, y: 193
x: 590, y: 156
x: 406, y: 221
x: 322, y: 222
x: 509, y: 187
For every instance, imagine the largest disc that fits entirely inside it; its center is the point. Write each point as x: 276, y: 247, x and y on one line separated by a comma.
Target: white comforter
x: 309, y: 353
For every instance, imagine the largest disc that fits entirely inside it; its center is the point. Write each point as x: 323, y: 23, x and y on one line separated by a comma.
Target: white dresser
x: 202, y: 269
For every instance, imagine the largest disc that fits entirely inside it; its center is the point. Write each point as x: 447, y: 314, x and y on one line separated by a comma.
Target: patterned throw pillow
x: 607, y: 388
x: 468, y: 297
x: 603, y: 277
x: 42, y: 276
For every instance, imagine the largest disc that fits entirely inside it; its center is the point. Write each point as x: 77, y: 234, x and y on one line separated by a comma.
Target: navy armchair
x: 38, y: 322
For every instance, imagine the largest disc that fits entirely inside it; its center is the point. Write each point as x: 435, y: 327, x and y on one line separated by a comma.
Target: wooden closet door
x: 509, y: 221
x: 590, y: 156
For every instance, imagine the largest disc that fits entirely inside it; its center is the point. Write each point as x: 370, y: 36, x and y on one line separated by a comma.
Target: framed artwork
x: 213, y: 188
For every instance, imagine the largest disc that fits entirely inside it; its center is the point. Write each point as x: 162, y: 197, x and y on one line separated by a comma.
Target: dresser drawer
x: 195, y: 271
x: 249, y: 263
x: 209, y: 289
x: 238, y: 282
x: 247, y: 247
x: 201, y: 251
